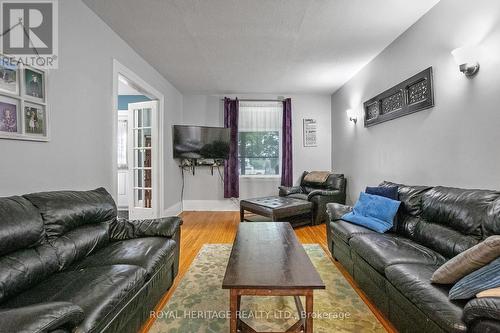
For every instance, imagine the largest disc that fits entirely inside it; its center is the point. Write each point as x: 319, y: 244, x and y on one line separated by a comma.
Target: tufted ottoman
x: 295, y: 211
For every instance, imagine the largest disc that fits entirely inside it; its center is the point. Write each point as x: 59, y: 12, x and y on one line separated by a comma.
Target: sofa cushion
x: 76, y: 222
x: 25, y: 256
x: 468, y: 261
x: 492, y: 223
x: 485, y: 278
x: 99, y: 291
x: 439, y: 238
x: 373, y: 212
x: 383, y: 250
x: 21, y: 225
x: 23, y: 269
x: 459, y: 209
x: 413, y: 281
x: 493, y: 292
x: 390, y: 192
x: 410, y: 196
x: 148, y: 253
x: 77, y: 244
x: 452, y: 219
x: 63, y: 211
x: 316, y: 177
x: 346, y: 230
x: 333, y: 182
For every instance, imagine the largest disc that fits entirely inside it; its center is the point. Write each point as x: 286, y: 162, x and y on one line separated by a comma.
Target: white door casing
x: 147, y: 89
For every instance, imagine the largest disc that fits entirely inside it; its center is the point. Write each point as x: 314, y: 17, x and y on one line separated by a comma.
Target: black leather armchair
x: 332, y: 190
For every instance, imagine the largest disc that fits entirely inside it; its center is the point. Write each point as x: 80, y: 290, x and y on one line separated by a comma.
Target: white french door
x: 143, y: 160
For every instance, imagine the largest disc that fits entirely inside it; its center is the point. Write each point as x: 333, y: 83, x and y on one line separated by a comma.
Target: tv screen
x: 199, y: 142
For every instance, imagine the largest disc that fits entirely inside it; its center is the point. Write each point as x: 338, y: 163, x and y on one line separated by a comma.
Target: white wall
x: 453, y: 144
x: 80, y: 96
x: 206, y: 192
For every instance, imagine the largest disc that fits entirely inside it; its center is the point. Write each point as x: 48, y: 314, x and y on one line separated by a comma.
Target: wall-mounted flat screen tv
x: 200, y: 142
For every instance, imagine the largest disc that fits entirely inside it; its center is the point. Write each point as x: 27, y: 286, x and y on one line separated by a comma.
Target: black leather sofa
x: 68, y: 264
x: 394, y: 269
x: 332, y: 190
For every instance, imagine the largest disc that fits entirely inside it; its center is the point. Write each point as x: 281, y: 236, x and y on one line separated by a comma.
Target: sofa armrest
x: 121, y: 229
x: 330, y: 193
x: 482, y: 308
x: 286, y: 190
x: 42, y: 317
x: 336, y: 211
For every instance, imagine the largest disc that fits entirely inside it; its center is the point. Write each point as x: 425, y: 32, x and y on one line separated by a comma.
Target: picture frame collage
x: 23, y: 102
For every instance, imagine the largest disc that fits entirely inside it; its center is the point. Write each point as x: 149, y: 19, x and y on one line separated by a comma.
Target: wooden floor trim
x: 200, y: 228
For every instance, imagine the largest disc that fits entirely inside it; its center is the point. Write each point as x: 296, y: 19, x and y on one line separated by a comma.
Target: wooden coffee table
x: 268, y: 260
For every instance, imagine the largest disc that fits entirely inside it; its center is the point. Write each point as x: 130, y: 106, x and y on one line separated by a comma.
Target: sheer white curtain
x: 259, y: 127
x: 260, y: 116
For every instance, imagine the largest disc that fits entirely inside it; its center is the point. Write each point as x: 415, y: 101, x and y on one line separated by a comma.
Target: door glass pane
x: 137, y: 118
x: 139, y: 158
x: 147, y: 198
x: 139, y: 198
x: 147, y: 178
x: 142, y: 198
x: 142, y: 138
x: 146, y: 117
x: 142, y: 158
x: 139, y: 178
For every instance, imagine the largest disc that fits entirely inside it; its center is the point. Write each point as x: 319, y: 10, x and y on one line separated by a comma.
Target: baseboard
x: 210, y: 205
x: 175, y: 209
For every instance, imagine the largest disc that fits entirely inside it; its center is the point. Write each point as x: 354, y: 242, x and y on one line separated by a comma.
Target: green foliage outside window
x: 259, y: 153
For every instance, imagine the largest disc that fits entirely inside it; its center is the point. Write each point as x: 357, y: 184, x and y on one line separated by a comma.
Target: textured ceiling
x: 259, y: 46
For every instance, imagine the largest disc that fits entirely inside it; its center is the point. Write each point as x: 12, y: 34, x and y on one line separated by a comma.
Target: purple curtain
x: 231, y: 174
x: 286, y: 162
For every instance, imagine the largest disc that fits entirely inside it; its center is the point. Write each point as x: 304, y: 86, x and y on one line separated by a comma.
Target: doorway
x: 138, y: 153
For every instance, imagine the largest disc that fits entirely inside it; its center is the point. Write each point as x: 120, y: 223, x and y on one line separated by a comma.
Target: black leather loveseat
x: 331, y: 190
x: 67, y: 264
x: 394, y: 269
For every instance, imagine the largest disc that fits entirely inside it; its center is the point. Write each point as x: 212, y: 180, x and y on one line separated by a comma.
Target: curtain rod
x: 258, y: 100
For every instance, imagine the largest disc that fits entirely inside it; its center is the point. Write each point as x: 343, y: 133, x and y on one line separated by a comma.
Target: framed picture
x: 34, y: 84
x: 35, y: 119
x: 24, y: 112
x: 310, y: 128
x: 9, y: 116
x: 9, y: 80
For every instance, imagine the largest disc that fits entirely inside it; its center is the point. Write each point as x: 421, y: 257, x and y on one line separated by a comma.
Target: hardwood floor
x: 201, y: 228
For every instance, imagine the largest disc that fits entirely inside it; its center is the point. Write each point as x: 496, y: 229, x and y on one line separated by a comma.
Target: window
x: 259, y: 138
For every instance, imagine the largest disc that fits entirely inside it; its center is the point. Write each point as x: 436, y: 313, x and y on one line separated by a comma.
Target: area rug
x: 200, y: 305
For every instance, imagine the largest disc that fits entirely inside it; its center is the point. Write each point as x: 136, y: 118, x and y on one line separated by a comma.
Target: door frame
x: 121, y: 70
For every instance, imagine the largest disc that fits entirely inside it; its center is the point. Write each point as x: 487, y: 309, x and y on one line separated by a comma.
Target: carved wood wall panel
x: 412, y: 95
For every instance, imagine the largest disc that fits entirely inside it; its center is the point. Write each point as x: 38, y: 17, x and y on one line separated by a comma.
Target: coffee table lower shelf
x: 305, y: 323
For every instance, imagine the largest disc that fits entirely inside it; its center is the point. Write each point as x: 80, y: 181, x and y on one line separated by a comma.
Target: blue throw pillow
x: 373, y: 212
x: 486, y: 277
x: 390, y: 192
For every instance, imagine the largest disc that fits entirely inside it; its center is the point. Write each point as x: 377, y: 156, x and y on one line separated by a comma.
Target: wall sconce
x: 465, y: 59
x: 352, y: 116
